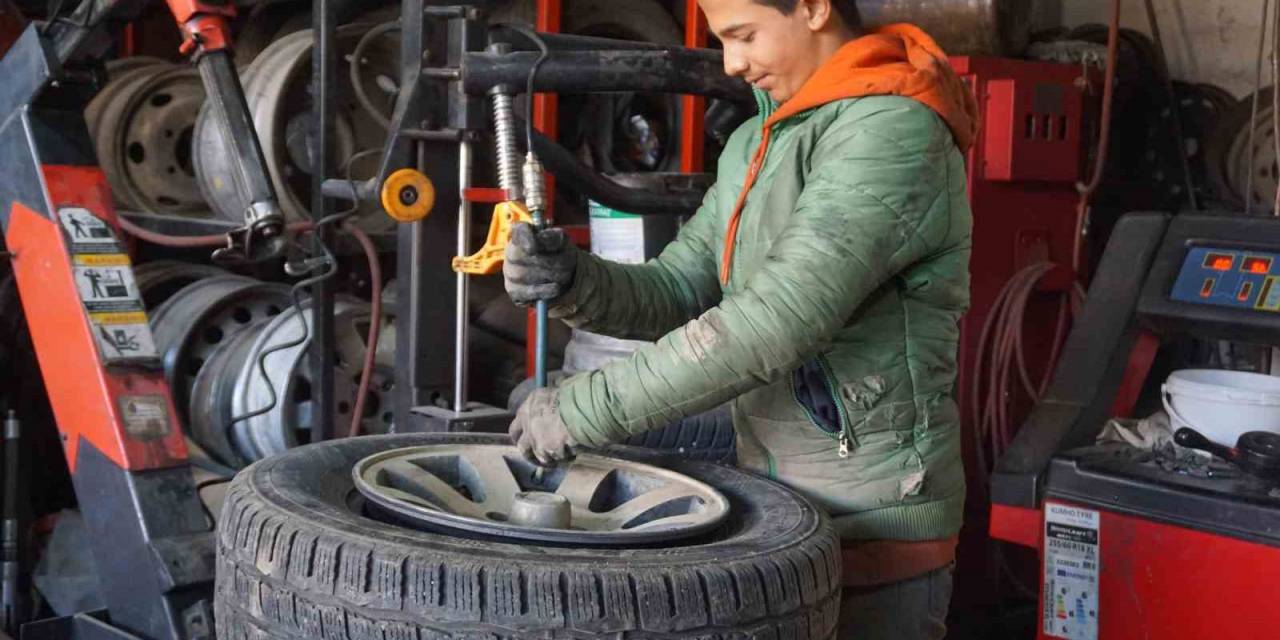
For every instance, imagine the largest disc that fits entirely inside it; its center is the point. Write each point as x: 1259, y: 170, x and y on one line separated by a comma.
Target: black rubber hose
x: 572, y: 173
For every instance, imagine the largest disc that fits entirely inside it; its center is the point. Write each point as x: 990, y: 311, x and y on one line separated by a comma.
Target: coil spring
x: 504, y: 125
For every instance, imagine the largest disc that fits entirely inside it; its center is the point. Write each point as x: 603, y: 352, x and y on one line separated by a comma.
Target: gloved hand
x: 539, y: 433
x: 539, y: 265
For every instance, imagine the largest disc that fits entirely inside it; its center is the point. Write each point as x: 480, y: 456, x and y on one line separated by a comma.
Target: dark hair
x: 848, y: 9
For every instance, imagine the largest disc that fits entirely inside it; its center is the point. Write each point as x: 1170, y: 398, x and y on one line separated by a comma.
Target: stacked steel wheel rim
x: 142, y: 124
x: 213, y: 330
x: 195, y: 321
x: 276, y: 407
x: 1231, y: 159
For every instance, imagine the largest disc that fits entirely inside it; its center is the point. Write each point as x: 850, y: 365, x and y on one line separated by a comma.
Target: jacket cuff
x: 568, y: 307
x: 575, y: 396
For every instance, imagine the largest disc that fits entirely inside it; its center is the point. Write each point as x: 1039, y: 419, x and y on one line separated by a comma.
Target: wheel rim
x: 493, y: 490
x: 287, y: 423
x: 191, y: 325
x: 143, y: 132
x: 159, y: 280
x: 211, y: 397
x: 1265, y: 171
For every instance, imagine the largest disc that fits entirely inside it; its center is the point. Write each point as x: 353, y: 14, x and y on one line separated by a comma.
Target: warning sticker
x: 1071, y: 538
x: 84, y: 228
x: 104, y: 280
x: 145, y: 417
x: 124, y: 335
x: 102, y: 259
x: 100, y: 286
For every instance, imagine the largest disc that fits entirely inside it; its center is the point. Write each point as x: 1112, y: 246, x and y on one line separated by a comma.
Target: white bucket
x: 1222, y: 405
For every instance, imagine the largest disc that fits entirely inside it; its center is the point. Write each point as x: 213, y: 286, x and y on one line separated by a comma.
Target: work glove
x: 539, y: 265
x: 539, y: 433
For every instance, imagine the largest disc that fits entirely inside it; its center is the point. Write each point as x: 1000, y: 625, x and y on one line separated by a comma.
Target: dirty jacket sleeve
x: 644, y: 302
x: 860, y: 219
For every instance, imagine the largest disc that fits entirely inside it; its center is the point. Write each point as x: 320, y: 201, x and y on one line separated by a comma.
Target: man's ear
x: 817, y: 13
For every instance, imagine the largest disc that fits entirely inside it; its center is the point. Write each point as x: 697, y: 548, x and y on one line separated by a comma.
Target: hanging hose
x: 192, y: 242
x: 375, y: 324
x: 1087, y: 189
x: 357, y: 81
x: 1002, y: 354
x: 1001, y: 361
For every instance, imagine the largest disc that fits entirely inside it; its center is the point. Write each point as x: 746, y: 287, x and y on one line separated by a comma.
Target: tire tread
x: 280, y: 576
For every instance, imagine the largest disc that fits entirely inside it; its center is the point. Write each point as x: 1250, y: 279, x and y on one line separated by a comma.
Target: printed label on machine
x: 1070, y: 572
x: 124, y: 335
x: 617, y: 236
x: 84, y: 228
x: 103, y: 287
x: 145, y: 417
x: 104, y: 279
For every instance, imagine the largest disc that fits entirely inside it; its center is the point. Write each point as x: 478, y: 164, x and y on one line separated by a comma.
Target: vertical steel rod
x: 11, y: 615
x: 462, y: 312
x: 546, y: 110
x: 540, y: 339
x: 323, y: 67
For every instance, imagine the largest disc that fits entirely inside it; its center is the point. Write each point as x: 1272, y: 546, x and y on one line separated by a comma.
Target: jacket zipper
x: 842, y: 437
x: 845, y: 438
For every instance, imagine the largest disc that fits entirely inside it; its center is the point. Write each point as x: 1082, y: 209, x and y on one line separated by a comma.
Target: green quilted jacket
x: 851, y: 260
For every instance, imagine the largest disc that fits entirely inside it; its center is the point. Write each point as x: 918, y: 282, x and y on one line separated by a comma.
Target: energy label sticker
x: 1070, y: 572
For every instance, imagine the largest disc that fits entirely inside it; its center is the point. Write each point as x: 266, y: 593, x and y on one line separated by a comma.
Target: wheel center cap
x: 541, y: 509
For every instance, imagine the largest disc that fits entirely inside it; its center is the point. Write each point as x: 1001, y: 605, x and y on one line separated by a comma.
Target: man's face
x: 773, y: 51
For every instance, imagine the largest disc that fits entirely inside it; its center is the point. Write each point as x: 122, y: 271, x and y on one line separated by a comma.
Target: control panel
x: 1225, y: 277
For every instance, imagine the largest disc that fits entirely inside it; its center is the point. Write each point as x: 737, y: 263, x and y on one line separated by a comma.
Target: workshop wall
x: 1206, y: 40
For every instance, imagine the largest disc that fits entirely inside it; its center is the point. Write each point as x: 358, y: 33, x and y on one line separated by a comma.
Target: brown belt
x: 878, y: 562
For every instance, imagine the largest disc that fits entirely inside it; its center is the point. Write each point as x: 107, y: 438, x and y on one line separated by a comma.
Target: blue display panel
x: 1232, y: 278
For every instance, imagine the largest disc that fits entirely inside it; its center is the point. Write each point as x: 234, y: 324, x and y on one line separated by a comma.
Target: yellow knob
x: 408, y: 196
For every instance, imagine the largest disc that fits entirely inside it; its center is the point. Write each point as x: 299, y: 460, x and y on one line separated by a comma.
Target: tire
x: 707, y: 436
x: 297, y: 560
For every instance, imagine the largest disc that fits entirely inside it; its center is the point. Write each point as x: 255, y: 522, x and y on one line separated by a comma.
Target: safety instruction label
x: 1071, y: 567
x: 145, y: 417
x: 84, y: 228
x: 104, y: 288
x: 123, y: 335
x: 104, y: 280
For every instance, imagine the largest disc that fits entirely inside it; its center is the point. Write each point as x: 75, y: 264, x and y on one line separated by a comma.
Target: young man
x: 818, y: 287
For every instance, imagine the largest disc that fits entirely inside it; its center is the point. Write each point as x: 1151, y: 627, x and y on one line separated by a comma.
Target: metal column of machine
x: 1131, y: 547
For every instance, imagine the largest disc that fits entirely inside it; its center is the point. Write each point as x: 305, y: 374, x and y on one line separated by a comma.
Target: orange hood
x: 896, y: 60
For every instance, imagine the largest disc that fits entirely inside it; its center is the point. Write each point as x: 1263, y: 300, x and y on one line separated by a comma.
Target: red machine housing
x: 1022, y: 175
x: 1182, y: 573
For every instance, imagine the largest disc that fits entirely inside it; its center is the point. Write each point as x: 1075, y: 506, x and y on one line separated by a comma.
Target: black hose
x: 572, y: 173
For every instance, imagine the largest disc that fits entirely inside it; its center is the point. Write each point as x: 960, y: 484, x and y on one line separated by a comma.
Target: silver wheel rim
x: 288, y: 423
x: 142, y: 125
x: 492, y: 490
